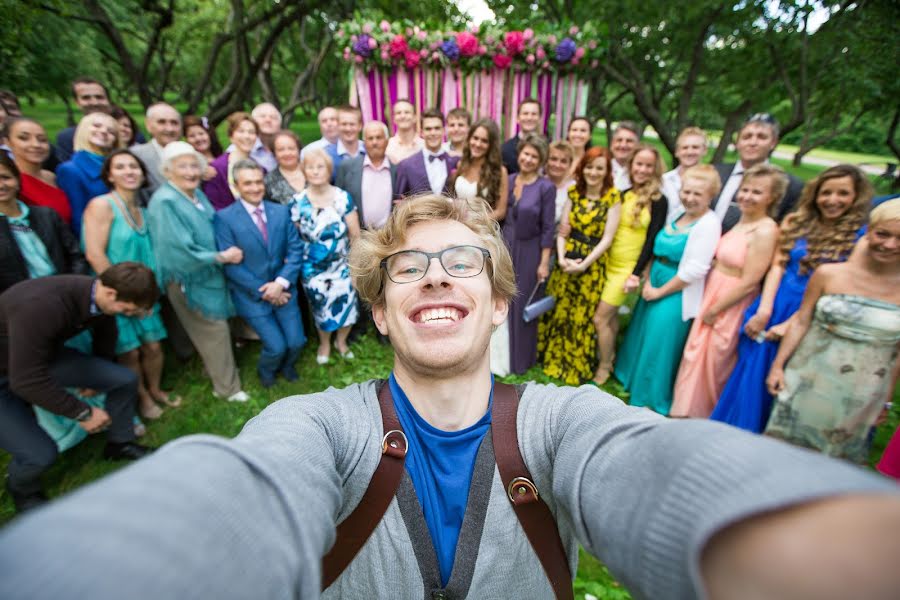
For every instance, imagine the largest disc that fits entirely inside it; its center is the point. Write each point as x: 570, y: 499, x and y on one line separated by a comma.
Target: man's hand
x: 283, y: 299
x: 831, y: 549
x: 86, y: 392
x: 271, y: 292
x: 99, y: 419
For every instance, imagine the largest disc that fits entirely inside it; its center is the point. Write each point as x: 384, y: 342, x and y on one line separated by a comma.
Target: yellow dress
x: 625, y: 250
x: 566, y: 335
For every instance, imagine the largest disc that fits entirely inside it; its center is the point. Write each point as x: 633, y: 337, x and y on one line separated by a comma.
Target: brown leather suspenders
x: 532, y: 512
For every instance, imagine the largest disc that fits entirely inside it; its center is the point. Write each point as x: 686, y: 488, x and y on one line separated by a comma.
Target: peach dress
x: 711, y: 350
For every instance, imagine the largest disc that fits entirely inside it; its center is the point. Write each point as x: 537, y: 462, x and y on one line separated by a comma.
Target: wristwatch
x: 85, y: 415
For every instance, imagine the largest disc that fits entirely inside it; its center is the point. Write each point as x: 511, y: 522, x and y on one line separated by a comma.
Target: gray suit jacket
x: 349, y: 179
x: 150, y: 157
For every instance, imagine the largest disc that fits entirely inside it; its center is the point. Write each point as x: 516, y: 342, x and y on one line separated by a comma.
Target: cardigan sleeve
x: 658, y: 211
x: 700, y: 249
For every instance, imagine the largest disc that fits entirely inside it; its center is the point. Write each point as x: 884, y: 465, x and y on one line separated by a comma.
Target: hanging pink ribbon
x: 363, y: 93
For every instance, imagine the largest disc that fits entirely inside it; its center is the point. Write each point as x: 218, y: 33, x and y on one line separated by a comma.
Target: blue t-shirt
x: 440, y: 464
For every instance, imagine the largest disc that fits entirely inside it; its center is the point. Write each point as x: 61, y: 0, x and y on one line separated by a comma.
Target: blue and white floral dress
x: 325, y: 273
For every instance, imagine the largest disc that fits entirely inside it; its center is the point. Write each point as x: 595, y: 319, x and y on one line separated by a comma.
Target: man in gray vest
x: 676, y: 509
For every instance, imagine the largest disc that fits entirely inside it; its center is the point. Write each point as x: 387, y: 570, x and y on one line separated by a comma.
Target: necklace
x: 126, y: 212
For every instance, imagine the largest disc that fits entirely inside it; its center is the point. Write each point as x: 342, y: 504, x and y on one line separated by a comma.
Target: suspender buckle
x: 522, y: 490
x: 394, y: 444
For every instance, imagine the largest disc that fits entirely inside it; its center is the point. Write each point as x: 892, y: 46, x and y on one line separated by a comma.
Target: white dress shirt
x: 621, y: 180
x: 251, y: 210
x: 436, y: 170
x: 671, y: 187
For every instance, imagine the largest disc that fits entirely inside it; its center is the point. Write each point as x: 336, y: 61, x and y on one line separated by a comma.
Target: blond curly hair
x: 373, y: 246
x: 650, y: 191
x: 826, y: 242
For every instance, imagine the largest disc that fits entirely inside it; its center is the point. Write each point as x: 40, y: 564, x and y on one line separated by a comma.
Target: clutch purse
x: 535, y: 308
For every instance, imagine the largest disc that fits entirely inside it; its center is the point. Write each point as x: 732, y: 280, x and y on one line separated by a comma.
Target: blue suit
x: 280, y: 328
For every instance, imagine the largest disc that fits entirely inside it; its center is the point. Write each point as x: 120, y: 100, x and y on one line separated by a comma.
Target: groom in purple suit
x: 426, y: 171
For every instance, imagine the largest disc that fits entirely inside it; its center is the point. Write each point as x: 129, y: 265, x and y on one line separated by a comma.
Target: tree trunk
x: 732, y: 120
x: 891, y: 138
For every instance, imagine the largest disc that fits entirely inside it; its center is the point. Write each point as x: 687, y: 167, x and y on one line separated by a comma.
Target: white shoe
x: 322, y: 360
x: 239, y: 396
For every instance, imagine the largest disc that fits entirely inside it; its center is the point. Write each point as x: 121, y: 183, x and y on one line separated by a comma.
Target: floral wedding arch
x: 486, y: 70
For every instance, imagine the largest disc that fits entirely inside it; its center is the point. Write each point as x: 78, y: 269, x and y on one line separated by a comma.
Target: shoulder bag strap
x: 353, y: 532
x: 532, y: 512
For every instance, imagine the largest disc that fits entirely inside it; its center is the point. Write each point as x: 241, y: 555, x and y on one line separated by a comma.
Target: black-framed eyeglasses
x: 408, y: 266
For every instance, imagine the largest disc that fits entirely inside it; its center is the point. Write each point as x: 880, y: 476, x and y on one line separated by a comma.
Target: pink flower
x: 546, y: 65
x: 346, y: 53
x: 358, y: 58
x: 592, y: 44
x: 574, y: 60
x: 474, y: 29
x: 595, y: 63
x: 530, y: 59
x: 372, y: 43
x: 412, y: 59
x: 367, y: 28
x: 385, y: 56
x: 435, y: 56
x: 528, y: 34
x: 539, y: 53
x: 502, y: 61
x: 409, y: 31
x: 468, y: 43
x: 385, y: 26
x: 340, y: 34
x: 579, y: 52
x: 482, y: 50
x: 514, y: 42
x: 423, y: 53
x: 551, y: 39
x: 489, y: 40
x: 421, y: 35
x: 353, y: 38
x: 398, y: 46
x: 573, y: 30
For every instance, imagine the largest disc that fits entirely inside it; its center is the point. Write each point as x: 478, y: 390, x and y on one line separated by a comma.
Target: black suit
x: 62, y: 247
x: 37, y: 316
x: 509, y: 154
x: 349, y: 179
x: 732, y: 216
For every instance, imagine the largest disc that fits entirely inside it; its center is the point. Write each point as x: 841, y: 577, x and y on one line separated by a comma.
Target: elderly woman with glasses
x: 190, y: 265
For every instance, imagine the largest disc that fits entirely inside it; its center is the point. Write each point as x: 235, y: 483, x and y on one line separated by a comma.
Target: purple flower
x: 362, y: 47
x: 450, y: 49
x: 565, y: 50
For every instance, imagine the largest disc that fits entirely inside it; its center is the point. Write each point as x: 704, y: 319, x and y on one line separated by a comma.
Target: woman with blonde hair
x: 643, y: 216
x: 96, y: 136
x: 480, y: 172
x: 742, y: 258
x: 561, y: 166
x: 842, y: 371
x: 682, y: 254
x: 829, y: 219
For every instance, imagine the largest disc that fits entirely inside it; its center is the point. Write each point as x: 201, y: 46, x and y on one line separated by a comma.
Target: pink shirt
x: 377, y: 193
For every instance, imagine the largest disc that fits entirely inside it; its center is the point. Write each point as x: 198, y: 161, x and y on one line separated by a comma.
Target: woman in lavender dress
x: 529, y: 231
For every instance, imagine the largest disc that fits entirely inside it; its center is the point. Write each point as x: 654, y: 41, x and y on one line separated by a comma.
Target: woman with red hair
x: 590, y: 218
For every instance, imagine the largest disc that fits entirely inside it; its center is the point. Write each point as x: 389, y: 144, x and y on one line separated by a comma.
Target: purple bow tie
x: 434, y: 157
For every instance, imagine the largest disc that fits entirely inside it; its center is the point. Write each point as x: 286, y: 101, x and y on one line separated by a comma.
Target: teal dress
x: 130, y: 242
x: 649, y: 357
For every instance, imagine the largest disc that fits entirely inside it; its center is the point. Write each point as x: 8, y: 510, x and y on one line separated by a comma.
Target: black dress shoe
x: 25, y: 502
x: 125, y: 451
x: 290, y: 374
x: 266, y: 381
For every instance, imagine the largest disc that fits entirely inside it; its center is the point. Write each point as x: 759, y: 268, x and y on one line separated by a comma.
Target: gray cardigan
x: 251, y: 517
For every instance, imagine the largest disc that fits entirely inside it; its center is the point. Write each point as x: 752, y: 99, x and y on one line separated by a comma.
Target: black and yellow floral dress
x: 566, y: 335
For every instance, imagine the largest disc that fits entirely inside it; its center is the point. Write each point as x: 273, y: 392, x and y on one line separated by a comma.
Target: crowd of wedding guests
x: 764, y: 302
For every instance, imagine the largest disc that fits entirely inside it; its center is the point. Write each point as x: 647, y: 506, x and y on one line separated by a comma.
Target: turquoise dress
x: 130, y: 242
x: 649, y: 357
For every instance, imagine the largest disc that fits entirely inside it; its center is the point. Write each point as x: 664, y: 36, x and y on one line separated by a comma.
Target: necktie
x: 434, y: 157
x: 260, y: 224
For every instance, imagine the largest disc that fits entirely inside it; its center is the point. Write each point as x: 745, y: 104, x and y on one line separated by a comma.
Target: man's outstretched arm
x: 203, y: 517
x: 647, y: 495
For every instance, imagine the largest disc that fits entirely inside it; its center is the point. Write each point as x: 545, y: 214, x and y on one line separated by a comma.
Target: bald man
x: 268, y: 118
x: 163, y: 123
x: 328, y: 126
